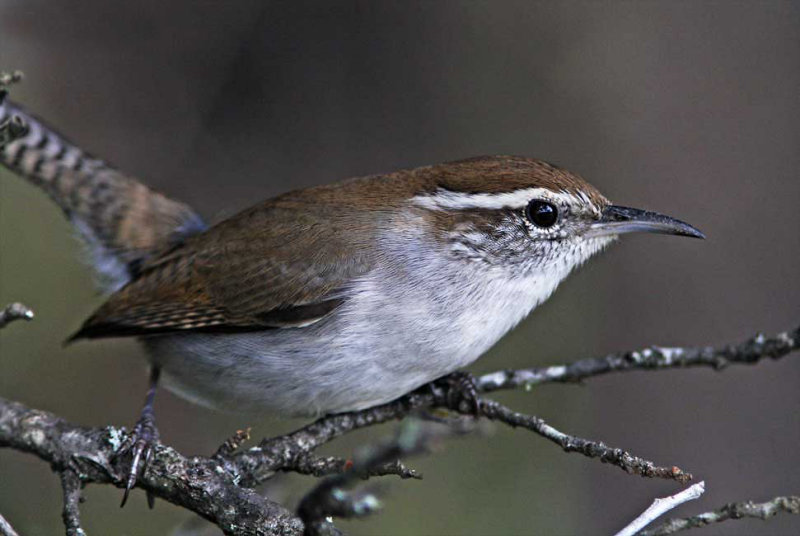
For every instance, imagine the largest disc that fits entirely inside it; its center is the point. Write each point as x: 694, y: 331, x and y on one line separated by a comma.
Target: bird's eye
x: 541, y: 213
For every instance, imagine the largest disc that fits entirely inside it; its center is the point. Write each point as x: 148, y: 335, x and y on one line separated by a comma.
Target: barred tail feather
x: 41, y: 145
x: 122, y: 221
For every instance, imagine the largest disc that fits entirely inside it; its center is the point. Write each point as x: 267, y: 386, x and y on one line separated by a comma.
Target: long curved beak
x: 620, y: 220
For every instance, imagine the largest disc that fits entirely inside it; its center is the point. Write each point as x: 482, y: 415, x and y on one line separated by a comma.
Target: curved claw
x: 144, y: 437
x: 462, y: 388
x: 151, y: 499
x: 139, y: 447
x: 142, y: 440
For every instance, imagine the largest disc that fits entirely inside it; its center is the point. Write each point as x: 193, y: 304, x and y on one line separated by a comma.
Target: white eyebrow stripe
x: 445, y: 199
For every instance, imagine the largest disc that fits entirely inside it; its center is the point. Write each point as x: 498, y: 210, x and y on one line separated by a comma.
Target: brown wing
x: 276, y: 265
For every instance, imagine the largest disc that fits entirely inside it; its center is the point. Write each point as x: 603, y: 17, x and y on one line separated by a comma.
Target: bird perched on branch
x: 328, y: 299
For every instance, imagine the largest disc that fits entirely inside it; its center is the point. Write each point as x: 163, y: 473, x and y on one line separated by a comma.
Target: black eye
x: 541, y: 213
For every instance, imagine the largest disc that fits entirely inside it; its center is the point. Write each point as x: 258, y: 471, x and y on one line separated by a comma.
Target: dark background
x: 688, y: 108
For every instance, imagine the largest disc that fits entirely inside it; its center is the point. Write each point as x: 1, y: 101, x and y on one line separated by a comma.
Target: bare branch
x: 305, y: 463
x: 333, y: 465
x: 652, y: 358
x: 71, y: 486
x: 6, y: 529
x: 14, y: 311
x: 257, y: 464
x: 330, y: 499
x: 592, y: 449
x: 789, y: 504
x: 662, y: 506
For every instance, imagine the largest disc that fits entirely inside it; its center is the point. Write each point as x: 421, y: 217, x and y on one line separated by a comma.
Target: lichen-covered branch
x: 652, y: 358
x: 196, y: 483
x: 740, y: 510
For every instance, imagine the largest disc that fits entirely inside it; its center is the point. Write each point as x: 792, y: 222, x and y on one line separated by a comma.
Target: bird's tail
x: 122, y: 220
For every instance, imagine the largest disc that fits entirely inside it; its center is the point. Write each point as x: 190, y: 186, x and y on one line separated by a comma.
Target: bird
x: 327, y: 299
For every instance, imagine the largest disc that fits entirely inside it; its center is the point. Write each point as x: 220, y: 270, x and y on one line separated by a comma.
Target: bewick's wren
x: 344, y: 296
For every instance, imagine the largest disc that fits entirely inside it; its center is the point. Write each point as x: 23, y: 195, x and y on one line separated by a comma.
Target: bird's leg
x: 142, y: 439
x: 461, y: 390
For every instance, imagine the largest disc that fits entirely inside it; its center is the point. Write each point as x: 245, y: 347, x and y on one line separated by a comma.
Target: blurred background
x: 688, y: 108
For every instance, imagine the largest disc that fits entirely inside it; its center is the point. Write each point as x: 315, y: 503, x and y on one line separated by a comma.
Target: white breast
x: 441, y: 314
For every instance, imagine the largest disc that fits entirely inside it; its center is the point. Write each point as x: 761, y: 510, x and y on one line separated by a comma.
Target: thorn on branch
x: 14, y: 311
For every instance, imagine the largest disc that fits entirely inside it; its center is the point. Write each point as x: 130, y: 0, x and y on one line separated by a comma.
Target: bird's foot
x: 141, y: 443
x: 461, y: 392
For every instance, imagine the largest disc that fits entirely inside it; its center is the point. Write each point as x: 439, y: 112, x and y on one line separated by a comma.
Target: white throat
x: 452, y: 310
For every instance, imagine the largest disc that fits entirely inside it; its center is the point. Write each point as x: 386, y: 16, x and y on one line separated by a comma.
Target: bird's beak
x: 616, y: 220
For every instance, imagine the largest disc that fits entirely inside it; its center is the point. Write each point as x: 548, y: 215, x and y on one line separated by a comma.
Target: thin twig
x: 14, y: 311
x: 71, y: 486
x: 260, y: 463
x: 654, y: 357
x: 330, y: 498
x: 333, y: 465
x: 788, y: 504
x: 257, y: 464
x: 662, y: 506
x: 592, y: 449
x: 6, y: 529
